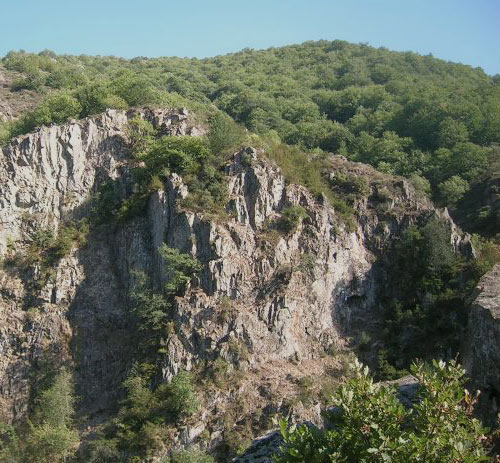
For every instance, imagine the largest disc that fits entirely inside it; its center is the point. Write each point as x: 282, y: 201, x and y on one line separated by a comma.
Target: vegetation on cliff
x: 368, y: 423
x: 49, y: 434
x: 436, y: 123
x: 401, y: 112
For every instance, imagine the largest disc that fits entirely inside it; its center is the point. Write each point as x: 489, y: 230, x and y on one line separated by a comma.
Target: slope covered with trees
x: 434, y: 122
x: 412, y: 115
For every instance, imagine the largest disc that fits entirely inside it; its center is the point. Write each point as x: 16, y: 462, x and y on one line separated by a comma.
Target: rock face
x: 261, y: 449
x: 482, y: 346
x: 270, y: 304
x: 47, y: 178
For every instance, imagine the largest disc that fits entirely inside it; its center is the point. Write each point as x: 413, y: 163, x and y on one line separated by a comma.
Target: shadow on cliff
x: 356, y: 311
x: 101, y: 324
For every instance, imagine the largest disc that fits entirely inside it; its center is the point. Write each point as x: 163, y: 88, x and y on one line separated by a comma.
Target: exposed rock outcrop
x: 273, y: 305
x: 47, y: 177
x: 482, y: 341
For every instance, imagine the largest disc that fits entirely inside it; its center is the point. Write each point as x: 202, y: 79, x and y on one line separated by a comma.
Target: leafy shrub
x: 143, y: 424
x: 141, y: 135
x: 488, y: 255
x: 102, y: 450
x: 179, y: 398
x: 105, y: 202
x: 181, y: 268
x: 421, y: 184
x: 151, y: 308
x: 177, y: 154
x: 95, y: 97
x: 290, y: 218
x: 370, y: 424
x: 68, y: 77
x: 55, y: 108
x: 344, y: 211
x: 224, y: 133
x: 5, y: 132
x: 134, y: 89
x: 33, y: 80
x: 350, y: 184
x: 50, y: 443
x: 452, y: 190
x: 55, y: 404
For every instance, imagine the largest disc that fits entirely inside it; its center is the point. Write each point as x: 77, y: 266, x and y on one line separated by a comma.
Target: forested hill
x: 169, y: 269
x: 433, y: 121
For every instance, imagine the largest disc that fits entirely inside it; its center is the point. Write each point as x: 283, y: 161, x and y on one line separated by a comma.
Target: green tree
x: 181, y: 268
x: 369, y: 424
x: 178, y: 397
x: 453, y: 189
x: 224, y: 133
x: 98, y: 96
x: 51, y: 436
x: 290, y: 218
x: 452, y: 132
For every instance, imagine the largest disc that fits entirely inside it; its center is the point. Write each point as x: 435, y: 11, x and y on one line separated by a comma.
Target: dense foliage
x: 401, y: 112
x: 425, y: 301
x: 145, y: 422
x: 369, y: 423
x: 424, y: 306
x: 146, y: 419
x: 49, y: 435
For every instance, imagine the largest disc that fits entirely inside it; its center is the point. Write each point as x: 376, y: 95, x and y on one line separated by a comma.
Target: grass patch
x: 310, y: 170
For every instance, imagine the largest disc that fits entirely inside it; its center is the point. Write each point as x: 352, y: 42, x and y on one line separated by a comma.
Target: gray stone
x: 482, y: 341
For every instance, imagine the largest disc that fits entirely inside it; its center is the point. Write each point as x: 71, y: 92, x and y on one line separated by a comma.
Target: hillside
x: 403, y: 113
x: 192, y: 250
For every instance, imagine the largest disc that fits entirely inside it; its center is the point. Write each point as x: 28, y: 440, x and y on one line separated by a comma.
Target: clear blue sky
x: 466, y: 31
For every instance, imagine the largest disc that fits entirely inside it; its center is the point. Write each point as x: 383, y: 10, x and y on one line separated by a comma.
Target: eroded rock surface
x: 482, y: 342
x: 271, y: 305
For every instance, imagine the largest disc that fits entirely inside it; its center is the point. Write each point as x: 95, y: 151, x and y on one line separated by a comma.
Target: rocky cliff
x: 481, y: 346
x: 272, y: 307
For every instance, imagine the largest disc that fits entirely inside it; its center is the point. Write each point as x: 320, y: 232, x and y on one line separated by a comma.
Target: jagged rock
x: 45, y: 178
x: 407, y: 388
x: 262, y: 449
x: 481, y: 344
x: 271, y: 305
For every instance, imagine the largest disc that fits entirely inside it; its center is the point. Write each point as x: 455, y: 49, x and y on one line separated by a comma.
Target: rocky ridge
x: 481, y: 346
x: 272, y: 306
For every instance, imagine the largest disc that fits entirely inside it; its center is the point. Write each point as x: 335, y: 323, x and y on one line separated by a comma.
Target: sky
x: 466, y: 31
